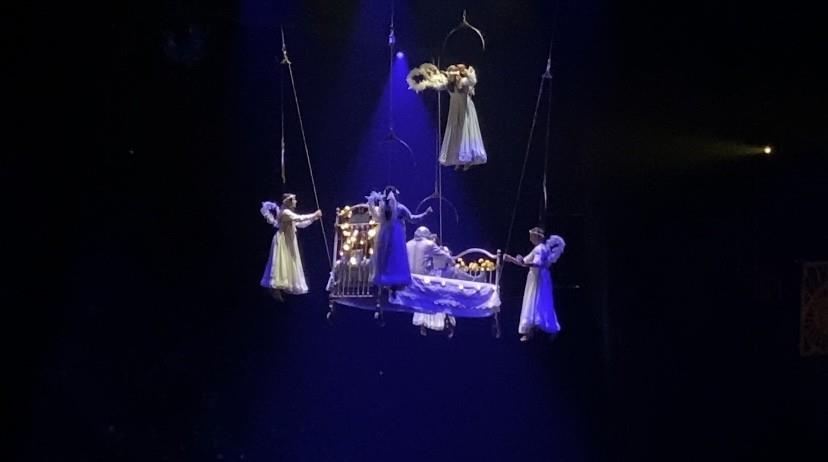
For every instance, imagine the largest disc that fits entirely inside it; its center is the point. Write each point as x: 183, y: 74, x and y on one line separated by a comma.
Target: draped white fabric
x: 430, y: 294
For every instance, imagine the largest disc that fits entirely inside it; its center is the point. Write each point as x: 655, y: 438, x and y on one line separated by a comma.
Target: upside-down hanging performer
x: 284, y: 271
x: 462, y: 145
x: 538, y: 309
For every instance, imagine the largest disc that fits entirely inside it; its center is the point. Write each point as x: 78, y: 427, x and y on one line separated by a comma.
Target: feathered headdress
x: 374, y: 198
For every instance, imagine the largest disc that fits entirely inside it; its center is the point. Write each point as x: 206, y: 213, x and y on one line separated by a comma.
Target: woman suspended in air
x: 284, y: 271
x: 462, y: 145
x: 391, y: 256
x: 538, y: 310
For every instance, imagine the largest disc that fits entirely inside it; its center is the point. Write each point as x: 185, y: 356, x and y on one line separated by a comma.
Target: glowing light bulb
x: 352, y: 261
x: 400, y: 55
x: 767, y: 150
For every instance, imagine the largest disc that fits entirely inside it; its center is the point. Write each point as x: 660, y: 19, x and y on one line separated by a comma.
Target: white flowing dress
x: 286, y: 271
x: 462, y: 141
x: 538, y: 310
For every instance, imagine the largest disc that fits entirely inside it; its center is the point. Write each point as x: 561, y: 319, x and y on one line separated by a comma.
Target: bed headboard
x: 476, y: 262
x: 355, y: 231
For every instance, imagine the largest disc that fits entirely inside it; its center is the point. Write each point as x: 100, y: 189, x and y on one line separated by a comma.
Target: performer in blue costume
x: 391, y: 256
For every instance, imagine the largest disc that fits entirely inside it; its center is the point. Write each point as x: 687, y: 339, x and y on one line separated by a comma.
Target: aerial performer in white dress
x: 284, y: 271
x: 538, y: 310
x: 462, y: 145
x: 391, y: 259
x: 422, y: 250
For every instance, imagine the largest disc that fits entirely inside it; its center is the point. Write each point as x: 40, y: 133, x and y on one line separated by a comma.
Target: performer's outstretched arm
x: 406, y: 215
x: 302, y: 221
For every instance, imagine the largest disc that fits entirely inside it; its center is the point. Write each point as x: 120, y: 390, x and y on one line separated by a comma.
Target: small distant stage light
x: 768, y: 150
x: 400, y: 55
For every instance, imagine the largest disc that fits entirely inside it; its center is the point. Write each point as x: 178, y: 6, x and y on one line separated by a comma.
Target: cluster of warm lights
x: 346, y: 212
x: 357, y: 244
x: 481, y: 265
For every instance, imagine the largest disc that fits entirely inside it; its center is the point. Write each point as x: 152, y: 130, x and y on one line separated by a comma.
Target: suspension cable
x: 286, y: 61
x: 544, y: 78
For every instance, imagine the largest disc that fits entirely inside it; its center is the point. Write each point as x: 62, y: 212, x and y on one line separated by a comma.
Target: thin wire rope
x: 438, y: 177
x: 440, y: 201
x: 543, y: 209
x: 392, y: 136
x: 305, y: 144
x: 546, y: 76
x: 523, y: 168
x: 282, y: 111
x: 392, y: 39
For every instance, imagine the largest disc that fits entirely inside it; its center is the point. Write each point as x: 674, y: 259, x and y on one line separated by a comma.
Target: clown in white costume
x: 284, y: 271
x: 538, y: 310
x: 422, y: 251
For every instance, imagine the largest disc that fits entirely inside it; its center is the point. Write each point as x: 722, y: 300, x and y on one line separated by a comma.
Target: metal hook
x: 392, y: 136
x: 285, y: 59
x: 464, y: 24
x: 436, y: 196
x: 548, y: 73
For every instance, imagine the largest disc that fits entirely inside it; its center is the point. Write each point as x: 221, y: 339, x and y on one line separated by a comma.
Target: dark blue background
x: 153, y: 341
